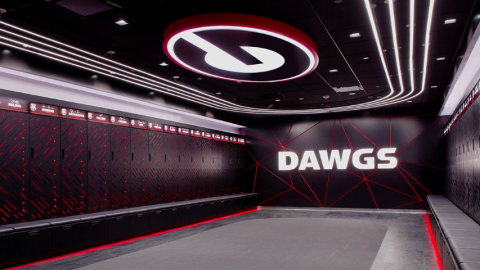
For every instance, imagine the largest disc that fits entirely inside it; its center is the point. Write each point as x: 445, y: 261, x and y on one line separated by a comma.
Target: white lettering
x: 382, y: 156
x: 282, y: 161
x: 342, y: 161
x: 369, y: 161
x: 309, y: 160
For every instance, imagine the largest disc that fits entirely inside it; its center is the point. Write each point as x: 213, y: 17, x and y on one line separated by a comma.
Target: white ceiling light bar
x: 410, y: 60
x: 395, y: 44
x: 427, y: 44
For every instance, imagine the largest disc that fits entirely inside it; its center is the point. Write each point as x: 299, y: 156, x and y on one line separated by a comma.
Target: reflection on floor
x: 277, y: 238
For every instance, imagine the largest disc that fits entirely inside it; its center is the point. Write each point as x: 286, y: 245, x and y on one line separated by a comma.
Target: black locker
x: 121, y: 159
x: 45, y: 166
x: 140, y: 180
x: 169, y: 173
x: 156, y: 167
x: 74, y: 155
x: 14, y: 168
x: 98, y: 167
x: 183, y: 168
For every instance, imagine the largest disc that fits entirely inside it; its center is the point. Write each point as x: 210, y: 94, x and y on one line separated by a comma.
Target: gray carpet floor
x: 277, y: 238
x: 270, y: 244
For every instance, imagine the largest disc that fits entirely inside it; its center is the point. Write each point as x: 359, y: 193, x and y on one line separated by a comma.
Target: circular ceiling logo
x: 240, y: 47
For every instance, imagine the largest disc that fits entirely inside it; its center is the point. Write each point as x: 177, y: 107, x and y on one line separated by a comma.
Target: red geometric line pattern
x: 315, y: 200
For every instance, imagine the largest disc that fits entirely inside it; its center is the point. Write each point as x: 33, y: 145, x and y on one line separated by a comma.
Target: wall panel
x: 121, y: 187
x: 98, y: 167
x: 14, y: 168
x: 45, y: 166
x: 141, y: 188
x: 74, y: 186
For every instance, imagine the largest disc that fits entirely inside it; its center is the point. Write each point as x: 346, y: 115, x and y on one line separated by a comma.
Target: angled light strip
x: 379, y: 47
x: 105, y: 72
x: 427, y: 44
x: 412, y: 27
x: 395, y: 44
x: 112, y: 67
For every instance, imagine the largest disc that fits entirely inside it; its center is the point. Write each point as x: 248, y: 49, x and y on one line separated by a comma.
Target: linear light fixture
x: 71, y: 55
x: 395, y: 43
x: 355, y: 35
x: 121, y: 22
x: 450, y: 21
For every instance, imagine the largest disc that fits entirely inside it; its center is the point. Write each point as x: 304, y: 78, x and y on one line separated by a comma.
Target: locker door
x: 98, y: 167
x: 74, y: 167
x: 121, y: 159
x: 171, y: 165
x: 14, y: 169
x: 156, y: 167
x: 45, y: 166
x: 140, y: 183
x: 183, y: 168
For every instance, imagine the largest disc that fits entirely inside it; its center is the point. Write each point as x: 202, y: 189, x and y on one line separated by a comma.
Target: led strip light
x: 113, y: 69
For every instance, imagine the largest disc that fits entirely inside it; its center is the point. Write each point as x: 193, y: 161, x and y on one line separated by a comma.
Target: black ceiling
x: 140, y: 43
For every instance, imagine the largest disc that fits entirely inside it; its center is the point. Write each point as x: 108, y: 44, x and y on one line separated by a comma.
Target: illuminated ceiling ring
x: 240, y: 47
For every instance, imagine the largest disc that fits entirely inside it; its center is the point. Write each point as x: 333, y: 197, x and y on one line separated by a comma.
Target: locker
x: 170, y: 172
x: 140, y: 180
x: 74, y: 167
x: 121, y: 172
x: 45, y: 181
x: 14, y: 169
x: 156, y: 167
x: 98, y: 167
x: 158, y: 219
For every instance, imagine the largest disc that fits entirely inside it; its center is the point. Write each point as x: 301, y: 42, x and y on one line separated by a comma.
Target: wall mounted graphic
x: 240, y: 47
x: 419, y: 151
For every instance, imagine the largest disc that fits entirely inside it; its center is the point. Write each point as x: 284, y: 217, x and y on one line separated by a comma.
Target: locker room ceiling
x: 329, y: 23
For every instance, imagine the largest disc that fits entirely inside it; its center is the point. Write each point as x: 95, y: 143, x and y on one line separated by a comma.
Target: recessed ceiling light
x: 151, y: 93
x: 351, y: 94
x: 409, y: 101
x: 199, y: 79
x: 325, y: 97
x: 440, y: 58
x: 301, y: 98
x: 378, y: 86
x: 434, y: 86
x: 163, y: 64
x: 365, y: 58
x: 355, y: 35
x: 333, y: 70
x: 121, y: 22
x: 218, y: 93
x: 176, y: 77
x: 277, y: 99
x: 370, y: 97
x: 450, y: 21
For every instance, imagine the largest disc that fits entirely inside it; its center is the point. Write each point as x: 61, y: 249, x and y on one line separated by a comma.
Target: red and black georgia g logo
x: 240, y: 47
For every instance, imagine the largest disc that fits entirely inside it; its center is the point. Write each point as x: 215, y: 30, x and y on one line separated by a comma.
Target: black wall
x: 462, y: 178
x: 420, y: 151
x: 51, y: 167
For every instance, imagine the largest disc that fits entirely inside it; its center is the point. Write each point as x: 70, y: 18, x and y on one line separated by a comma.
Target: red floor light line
x: 81, y: 252
x: 434, y: 243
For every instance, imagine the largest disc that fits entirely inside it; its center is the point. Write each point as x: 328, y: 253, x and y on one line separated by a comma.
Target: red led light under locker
x: 74, y: 155
x: 121, y: 174
x: 45, y: 181
x: 14, y: 168
x: 141, y: 185
x: 98, y: 167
